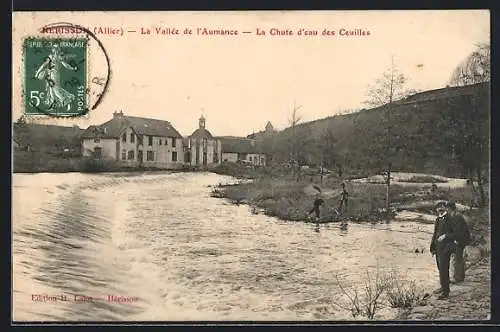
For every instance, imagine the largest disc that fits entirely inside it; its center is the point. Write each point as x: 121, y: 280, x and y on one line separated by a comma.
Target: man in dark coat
x: 316, y: 205
x: 450, y: 232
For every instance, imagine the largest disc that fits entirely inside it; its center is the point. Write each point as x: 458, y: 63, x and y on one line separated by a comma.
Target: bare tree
x: 387, y: 89
x: 470, y: 137
x: 294, y: 120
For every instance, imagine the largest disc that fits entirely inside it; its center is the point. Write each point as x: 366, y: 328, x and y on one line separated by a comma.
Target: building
x: 267, y: 132
x: 243, y: 150
x: 202, y: 148
x: 135, y: 142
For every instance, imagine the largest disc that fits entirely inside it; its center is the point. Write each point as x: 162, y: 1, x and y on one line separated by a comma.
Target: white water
x: 187, y: 256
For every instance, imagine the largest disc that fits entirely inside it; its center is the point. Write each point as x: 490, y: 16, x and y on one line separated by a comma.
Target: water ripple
x: 183, y: 255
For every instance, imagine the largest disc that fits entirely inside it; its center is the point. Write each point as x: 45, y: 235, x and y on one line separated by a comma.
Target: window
x: 132, y: 138
x: 124, y: 138
x: 150, y: 155
x: 250, y: 158
x: 159, y: 142
x: 173, y: 142
x: 124, y: 155
x: 150, y: 141
x: 174, y: 156
x: 97, y: 152
x: 131, y: 155
x: 97, y: 140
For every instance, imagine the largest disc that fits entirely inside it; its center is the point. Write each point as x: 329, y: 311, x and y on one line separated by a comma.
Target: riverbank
x: 288, y: 199
x: 470, y: 299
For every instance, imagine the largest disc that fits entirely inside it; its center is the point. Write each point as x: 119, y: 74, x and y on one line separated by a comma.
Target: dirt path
x: 469, y: 300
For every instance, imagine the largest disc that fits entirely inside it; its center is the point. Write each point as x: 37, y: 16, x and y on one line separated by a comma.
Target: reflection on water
x: 168, y: 251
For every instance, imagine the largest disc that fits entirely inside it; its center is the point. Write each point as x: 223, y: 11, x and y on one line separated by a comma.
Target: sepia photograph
x: 251, y: 166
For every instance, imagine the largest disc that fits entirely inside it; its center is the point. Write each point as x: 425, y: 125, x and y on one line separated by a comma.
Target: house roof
x: 240, y: 145
x: 141, y: 126
x: 201, y: 134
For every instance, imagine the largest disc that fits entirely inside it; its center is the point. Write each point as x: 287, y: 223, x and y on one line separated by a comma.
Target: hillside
x: 427, y: 134
x: 45, y: 148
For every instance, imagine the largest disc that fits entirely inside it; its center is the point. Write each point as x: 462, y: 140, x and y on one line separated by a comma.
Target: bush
x: 366, y: 304
x: 91, y: 165
x: 401, y: 293
x: 398, y: 294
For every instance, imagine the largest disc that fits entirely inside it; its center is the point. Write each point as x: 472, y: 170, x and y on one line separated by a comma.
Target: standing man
x: 450, y: 233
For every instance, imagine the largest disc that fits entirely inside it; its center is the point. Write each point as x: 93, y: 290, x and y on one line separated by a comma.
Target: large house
x: 244, y: 150
x: 135, y: 142
x: 202, y: 149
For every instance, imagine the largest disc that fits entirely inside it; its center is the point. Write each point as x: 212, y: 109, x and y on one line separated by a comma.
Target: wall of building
x: 163, y: 151
x: 127, y: 147
x: 231, y: 157
x: 256, y: 159
x: 212, y: 147
x: 108, y: 146
x: 127, y: 152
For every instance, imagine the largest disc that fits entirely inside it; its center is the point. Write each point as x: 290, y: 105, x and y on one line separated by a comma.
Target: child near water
x: 316, y: 205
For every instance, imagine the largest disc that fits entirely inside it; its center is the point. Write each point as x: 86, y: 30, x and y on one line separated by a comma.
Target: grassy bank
x: 277, y: 193
x: 286, y: 199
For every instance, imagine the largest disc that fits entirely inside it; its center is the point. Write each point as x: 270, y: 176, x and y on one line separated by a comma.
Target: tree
x: 470, y: 127
x: 387, y: 89
x: 22, y: 133
x: 476, y: 68
x: 294, y: 120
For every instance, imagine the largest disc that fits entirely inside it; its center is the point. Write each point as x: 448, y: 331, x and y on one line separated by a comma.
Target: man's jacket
x: 455, y: 228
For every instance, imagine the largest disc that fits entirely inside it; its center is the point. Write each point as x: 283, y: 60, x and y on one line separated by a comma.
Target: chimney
x: 117, y: 114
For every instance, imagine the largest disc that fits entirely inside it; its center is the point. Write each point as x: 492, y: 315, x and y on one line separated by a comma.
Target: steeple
x: 269, y: 127
x: 201, y: 122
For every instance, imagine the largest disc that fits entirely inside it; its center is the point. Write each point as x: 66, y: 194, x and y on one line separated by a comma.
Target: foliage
x: 94, y: 165
x: 391, y: 86
x: 469, y: 134
x: 376, y: 292
x: 422, y: 136
x: 364, y: 303
x: 476, y: 68
x: 401, y: 293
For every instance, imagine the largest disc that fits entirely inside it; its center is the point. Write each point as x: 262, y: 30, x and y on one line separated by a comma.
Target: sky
x: 239, y: 83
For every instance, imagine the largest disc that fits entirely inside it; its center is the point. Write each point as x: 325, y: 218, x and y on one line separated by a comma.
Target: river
x: 168, y: 251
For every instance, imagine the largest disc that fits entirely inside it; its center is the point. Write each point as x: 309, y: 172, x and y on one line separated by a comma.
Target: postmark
x: 55, y: 76
x: 66, y: 71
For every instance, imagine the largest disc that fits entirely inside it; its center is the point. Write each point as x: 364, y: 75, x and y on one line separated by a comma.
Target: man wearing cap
x: 450, y: 233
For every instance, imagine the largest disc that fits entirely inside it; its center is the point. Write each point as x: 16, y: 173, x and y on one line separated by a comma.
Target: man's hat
x: 451, y: 205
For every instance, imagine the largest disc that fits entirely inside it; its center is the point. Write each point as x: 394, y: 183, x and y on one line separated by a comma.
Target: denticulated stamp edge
x: 42, y: 115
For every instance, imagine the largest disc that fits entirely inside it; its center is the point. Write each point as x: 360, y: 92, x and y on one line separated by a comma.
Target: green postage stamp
x: 55, y: 76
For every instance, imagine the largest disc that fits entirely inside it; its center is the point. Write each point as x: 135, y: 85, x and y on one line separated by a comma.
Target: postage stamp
x: 55, y: 76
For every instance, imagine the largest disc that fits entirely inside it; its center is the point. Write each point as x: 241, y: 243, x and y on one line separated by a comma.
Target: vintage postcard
x: 251, y: 166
